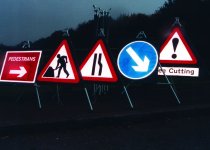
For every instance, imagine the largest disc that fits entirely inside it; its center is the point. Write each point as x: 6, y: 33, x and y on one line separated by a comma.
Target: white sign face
x: 176, y: 50
x: 179, y: 53
x: 137, y: 60
x: 179, y: 71
x: 97, y: 66
x: 92, y: 68
x: 60, y: 67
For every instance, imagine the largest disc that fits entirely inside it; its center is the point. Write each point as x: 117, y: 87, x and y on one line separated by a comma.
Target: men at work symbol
x: 61, y: 64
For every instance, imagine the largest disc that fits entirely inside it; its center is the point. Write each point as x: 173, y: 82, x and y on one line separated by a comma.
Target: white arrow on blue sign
x: 137, y: 60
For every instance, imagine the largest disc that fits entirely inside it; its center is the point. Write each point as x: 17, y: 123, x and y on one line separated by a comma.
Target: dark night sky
x: 33, y: 19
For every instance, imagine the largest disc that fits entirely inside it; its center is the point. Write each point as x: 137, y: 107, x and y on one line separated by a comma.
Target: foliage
x: 193, y: 17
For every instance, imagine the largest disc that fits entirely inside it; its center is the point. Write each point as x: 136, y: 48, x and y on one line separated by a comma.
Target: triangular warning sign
x: 175, y: 49
x: 97, y: 66
x: 60, y: 67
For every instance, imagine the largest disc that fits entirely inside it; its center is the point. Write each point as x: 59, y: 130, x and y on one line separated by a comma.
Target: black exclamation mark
x: 175, y: 42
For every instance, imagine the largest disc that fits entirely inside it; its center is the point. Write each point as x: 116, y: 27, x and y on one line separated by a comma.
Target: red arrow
x: 20, y: 72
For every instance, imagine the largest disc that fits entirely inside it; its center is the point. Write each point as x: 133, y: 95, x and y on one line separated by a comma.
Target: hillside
x: 193, y: 17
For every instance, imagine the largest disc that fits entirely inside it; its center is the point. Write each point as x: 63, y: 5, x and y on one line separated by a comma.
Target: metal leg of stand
x: 131, y: 104
x: 38, y: 98
x: 58, y: 95
x: 19, y: 96
x: 174, y: 92
x: 177, y: 98
x: 90, y: 104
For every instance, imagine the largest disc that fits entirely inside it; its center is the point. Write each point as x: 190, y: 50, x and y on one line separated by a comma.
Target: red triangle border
x: 76, y: 80
x: 178, y: 30
x: 114, y: 79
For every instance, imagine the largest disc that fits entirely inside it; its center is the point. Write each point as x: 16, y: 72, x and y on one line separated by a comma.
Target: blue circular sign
x: 137, y: 60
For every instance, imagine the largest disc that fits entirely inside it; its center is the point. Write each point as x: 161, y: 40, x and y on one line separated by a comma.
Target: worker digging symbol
x: 60, y: 67
x: 61, y: 64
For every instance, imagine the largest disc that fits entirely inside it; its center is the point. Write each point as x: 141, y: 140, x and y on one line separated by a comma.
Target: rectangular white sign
x: 179, y: 71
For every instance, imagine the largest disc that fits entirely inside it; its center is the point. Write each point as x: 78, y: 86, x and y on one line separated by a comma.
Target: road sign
x: 20, y: 66
x: 60, y: 67
x: 175, y: 49
x: 97, y: 66
x: 137, y: 60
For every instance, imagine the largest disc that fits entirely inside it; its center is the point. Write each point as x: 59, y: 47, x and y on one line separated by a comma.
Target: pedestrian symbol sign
x: 175, y: 49
x: 97, y: 66
x: 137, y: 60
x: 61, y: 67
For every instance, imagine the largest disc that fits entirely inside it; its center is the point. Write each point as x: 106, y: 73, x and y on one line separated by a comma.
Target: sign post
x: 170, y: 84
x: 60, y: 68
x: 21, y: 67
x: 177, y: 55
x: 89, y: 101
x: 129, y: 99
x: 97, y: 67
x: 137, y: 60
x: 37, y: 93
x: 176, y: 52
x: 58, y: 94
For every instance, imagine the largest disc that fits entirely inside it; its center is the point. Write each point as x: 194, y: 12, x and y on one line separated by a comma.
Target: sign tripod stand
x: 98, y: 67
x: 176, y: 51
x: 166, y: 77
x: 21, y: 67
x: 170, y: 84
x: 36, y: 86
x: 37, y: 94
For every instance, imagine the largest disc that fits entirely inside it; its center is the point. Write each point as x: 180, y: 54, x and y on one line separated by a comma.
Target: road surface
x: 176, y: 132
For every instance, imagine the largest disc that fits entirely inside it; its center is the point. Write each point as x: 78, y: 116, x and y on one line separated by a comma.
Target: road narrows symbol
x: 99, y: 63
x: 94, y: 64
x: 97, y: 66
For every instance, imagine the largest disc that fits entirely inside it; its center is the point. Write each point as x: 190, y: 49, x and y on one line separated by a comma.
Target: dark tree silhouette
x: 193, y: 16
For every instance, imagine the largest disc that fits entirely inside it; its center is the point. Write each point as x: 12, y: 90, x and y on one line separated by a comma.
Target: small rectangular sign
x: 179, y: 71
x: 20, y: 66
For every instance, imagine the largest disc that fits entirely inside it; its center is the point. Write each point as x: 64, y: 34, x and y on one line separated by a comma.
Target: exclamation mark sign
x: 175, y: 42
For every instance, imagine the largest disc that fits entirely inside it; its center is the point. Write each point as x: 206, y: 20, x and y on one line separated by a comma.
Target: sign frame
x: 189, y: 50
x: 109, y: 62
x: 21, y: 81
x: 148, y: 74
x: 72, y: 64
